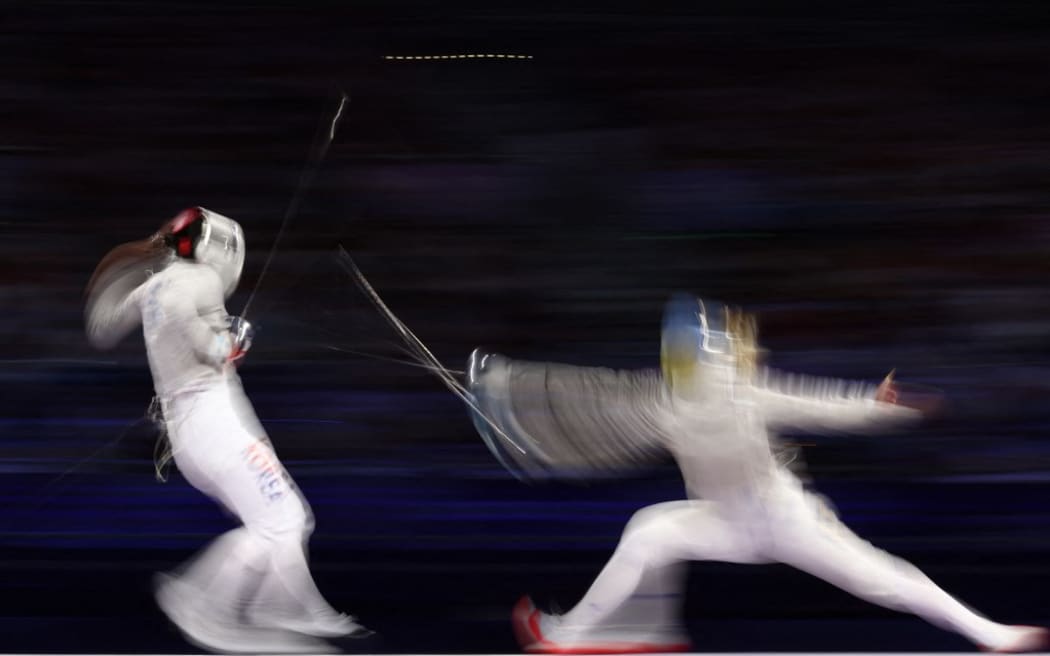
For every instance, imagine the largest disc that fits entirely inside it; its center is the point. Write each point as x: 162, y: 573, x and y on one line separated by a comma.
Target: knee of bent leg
x: 645, y: 519
x: 642, y: 542
x: 309, y: 523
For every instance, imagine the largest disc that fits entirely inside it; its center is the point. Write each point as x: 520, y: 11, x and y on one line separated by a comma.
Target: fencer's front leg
x: 637, y: 597
x: 645, y: 545
x: 654, y: 609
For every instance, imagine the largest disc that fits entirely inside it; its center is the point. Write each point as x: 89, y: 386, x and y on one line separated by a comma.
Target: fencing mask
x: 210, y: 238
x: 705, y: 337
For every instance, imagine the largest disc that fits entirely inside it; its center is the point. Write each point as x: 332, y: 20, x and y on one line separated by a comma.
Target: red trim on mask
x: 185, y: 218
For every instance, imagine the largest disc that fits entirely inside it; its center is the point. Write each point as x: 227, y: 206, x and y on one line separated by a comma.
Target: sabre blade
x: 422, y: 353
x: 318, y: 150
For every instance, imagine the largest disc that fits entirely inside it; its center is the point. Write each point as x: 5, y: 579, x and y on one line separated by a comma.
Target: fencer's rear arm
x: 111, y: 313
x: 826, y: 405
x: 115, y: 291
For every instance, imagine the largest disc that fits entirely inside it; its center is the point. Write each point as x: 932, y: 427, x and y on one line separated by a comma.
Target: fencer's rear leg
x: 816, y: 542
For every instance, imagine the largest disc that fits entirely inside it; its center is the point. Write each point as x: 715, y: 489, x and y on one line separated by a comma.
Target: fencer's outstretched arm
x: 790, y: 401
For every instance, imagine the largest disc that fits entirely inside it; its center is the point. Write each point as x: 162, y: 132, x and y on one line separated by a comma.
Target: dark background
x: 872, y: 180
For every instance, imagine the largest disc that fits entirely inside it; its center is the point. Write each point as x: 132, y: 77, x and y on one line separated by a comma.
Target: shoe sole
x: 1038, y: 640
x: 526, y: 622
x: 166, y: 596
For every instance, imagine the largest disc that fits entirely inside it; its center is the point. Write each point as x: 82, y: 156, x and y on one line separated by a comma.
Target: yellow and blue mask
x: 698, y: 333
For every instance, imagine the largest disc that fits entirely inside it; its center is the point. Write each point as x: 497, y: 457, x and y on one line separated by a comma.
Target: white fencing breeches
x: 263, y: 562
x: 789, y: 526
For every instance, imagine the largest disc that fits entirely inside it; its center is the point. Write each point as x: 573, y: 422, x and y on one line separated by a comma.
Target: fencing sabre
x: 417, y: 348
x: 318, y: 149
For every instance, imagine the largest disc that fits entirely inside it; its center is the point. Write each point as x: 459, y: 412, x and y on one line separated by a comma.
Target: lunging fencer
x: 251, y: 590
x: 717, y: 412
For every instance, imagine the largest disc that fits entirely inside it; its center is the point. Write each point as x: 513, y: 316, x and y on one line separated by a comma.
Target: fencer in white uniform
x: 717, y: 413
x: 251, y: 589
